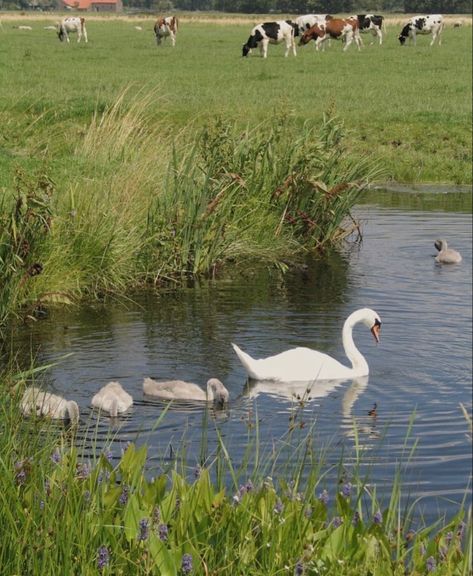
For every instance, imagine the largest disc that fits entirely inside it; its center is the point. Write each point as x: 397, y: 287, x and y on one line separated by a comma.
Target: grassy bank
x: 409, y: 107
x: 100, y: 513
x: 140, y: 206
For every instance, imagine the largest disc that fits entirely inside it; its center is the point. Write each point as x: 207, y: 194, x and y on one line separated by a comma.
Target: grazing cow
x: 371, y: 23
x: 432, y: 24
x: 303, y: 23
x: 165, y: 27
x: 72, y: 24
x: 271, y: 33
x: 337, y: 28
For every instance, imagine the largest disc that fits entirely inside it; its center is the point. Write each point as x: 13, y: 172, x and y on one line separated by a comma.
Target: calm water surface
x: 420, y: 372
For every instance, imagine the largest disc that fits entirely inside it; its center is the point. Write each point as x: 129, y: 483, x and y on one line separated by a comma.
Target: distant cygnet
x: 113, y: 399
x: 180, y: 390
x: 446, y: 255
x: 40, y: 403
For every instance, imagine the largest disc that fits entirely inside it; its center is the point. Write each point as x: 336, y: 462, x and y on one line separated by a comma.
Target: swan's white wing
x: 298, y: 364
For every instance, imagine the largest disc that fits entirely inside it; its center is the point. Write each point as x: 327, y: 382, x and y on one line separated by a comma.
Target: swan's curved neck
x: 358, y: 362
x: 210, y: 393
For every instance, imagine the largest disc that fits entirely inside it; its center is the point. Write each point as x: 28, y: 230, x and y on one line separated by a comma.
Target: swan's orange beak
x: 375, y: 331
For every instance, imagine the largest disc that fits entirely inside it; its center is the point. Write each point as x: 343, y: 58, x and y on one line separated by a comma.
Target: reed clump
x: 142, y: 205
x: 101, y: 513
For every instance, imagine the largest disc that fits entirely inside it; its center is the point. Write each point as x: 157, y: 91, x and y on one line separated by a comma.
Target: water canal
x: 420, y: 373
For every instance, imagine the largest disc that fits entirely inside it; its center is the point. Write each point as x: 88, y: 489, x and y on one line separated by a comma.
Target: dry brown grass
x: 220, y: 19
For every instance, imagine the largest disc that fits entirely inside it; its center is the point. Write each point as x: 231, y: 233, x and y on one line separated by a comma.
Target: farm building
x: 94, y: 5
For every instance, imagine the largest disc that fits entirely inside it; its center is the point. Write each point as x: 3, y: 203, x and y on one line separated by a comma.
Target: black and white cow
x: 432, y: 24
x: 71, y: 24
x: 271, y: 33
x: 371, y: 23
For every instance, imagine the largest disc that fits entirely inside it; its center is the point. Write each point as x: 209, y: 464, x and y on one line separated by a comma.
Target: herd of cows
x: 317, y: 27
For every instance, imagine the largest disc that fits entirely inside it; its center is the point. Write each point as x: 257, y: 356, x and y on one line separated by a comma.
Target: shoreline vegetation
x: 92, y: 511
x: 141, y: 208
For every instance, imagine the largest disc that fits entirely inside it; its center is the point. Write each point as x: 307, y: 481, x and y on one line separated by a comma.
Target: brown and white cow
x: 71, y: 24
x: 164, y: 27
x: 345, y: 29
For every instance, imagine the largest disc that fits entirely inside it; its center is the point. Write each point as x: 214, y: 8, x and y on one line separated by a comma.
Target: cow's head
x: 404, y: 34
x: 311, y: 33
x: 60, y: 33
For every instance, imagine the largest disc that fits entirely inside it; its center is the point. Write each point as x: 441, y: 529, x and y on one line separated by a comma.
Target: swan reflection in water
x: 308, y: 392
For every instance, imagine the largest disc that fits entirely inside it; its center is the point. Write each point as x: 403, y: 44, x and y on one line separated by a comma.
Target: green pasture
x: 408, y: 106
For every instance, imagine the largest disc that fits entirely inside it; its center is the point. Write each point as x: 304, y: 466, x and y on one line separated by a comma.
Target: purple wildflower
x: 249, y: 486
x: 346, y: 490
x: 356, y: 518
x: 87, y: 495
x: 449, y: 537
x: 56, y: 456
x: 82, y: 470
x: 102, y: 557
x: 299, y: 569
x: 431, y: 564
x: 337, y: 521
x: 108, y: 455
x: 22, y: 469
x: 461, y: 530
x: 163, y: 532
x: 197, y: 472
x: 278, y: 507
x: 124, y: 495
x: 156, y: 515
x: 144, y: 530
x: 323, y: 496
x: 186, y: 565
x: 378, y: 518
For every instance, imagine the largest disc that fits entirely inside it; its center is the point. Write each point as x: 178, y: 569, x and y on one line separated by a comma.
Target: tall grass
x: 142, y: 206
x: 96, y: 513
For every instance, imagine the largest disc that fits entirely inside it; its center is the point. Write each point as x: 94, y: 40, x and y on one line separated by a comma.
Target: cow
x: 432, y: 24
x: 371, y: 23
x: 271, y: 33
x: 345, y: 29
x: 164, y: 27
x: 303, y: 23
x: 72, y: 24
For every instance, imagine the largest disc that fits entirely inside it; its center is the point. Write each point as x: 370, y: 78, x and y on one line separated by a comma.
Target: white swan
x: 40, y: 403
x: 180, y: 390
x: 446, y: 255
x: 305, y: 365
x: 112, y: 398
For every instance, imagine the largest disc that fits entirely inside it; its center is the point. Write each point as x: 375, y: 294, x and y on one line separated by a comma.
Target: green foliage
x: 150, y: 207
x: 96, y: 514
x: 25, y: 223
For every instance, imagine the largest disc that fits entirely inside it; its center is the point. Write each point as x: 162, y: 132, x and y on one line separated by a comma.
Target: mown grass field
x: 410, y: 107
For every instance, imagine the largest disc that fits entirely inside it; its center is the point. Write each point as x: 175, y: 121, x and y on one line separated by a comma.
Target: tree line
x: 310, y: 6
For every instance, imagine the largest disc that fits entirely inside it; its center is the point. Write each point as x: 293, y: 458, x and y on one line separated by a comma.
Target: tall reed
x: 140, y: 205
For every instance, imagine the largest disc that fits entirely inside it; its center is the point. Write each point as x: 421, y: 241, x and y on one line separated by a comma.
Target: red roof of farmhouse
x: 85, y: 4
